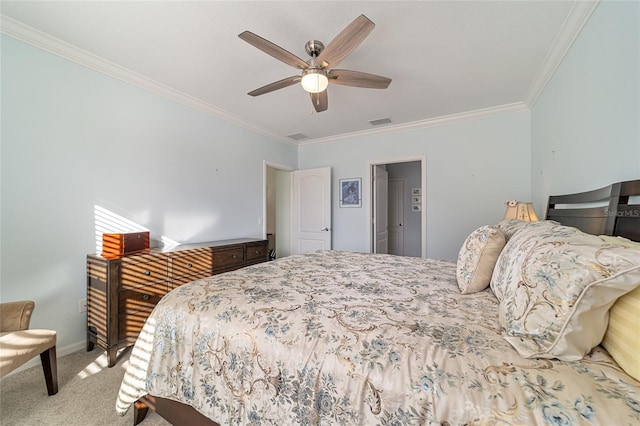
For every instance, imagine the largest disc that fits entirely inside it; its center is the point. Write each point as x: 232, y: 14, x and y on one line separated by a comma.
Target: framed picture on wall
x: 351, y: 192
x: 416, y: 191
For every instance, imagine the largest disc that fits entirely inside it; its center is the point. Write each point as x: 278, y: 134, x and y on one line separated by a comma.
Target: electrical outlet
x: 82, y: 305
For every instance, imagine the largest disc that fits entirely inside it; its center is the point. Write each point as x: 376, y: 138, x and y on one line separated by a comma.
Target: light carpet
x: 87, y: 392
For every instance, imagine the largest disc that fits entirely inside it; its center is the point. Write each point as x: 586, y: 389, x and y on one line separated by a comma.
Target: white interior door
x: 311, y: 203
x: 396, y: 217
x: 380, y: 220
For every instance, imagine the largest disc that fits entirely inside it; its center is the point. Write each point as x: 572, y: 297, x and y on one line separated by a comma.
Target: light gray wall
x: 472, y: 168
x: 586, y: 124
x: 73, y: 139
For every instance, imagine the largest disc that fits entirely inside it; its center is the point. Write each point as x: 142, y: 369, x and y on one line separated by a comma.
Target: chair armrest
x: 16, y: 315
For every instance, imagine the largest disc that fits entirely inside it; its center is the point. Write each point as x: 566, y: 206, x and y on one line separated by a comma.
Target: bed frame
x: 176, y: 413
x: 611, y: 215
x: 604, y: 211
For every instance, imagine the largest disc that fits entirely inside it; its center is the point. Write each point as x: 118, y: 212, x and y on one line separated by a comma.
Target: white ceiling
x: 446, y: 58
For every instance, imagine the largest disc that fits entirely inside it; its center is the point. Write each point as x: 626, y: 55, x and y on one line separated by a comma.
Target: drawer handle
x: 189, y: 265
x: 257, y: 251
x: 235, y: 256
x: 147, y: 272
x: 146, y: 297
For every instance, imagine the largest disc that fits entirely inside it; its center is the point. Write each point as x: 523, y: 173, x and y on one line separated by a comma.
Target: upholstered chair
x: 19, y: 344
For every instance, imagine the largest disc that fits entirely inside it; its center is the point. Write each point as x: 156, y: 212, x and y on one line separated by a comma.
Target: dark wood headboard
x: 604, y: 211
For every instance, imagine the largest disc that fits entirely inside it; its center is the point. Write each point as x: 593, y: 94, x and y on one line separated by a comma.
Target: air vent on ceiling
x: 380, y: 121
x: 298, y: 136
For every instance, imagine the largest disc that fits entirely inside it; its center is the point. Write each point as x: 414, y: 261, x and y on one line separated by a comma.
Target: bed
x: 333, y: 337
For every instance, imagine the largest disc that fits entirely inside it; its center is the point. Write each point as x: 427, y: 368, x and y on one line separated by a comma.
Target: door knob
x: 325, y: 229
x: 400, y: 224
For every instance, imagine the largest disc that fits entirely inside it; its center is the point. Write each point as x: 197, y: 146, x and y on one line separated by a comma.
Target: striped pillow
x: 622, y: 338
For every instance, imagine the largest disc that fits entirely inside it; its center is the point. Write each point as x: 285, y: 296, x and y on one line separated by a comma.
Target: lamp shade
x: 314, y: 81
x: 521, y: 211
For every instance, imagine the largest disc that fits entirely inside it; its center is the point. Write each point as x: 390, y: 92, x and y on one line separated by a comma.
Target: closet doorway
x: 397, y: 220
x: 277, y: 208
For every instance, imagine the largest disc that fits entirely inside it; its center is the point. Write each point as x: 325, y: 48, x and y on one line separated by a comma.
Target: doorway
x: 296, y: 209
x: 397, y: 218
x: 277, y: 209
x: 403, y: 210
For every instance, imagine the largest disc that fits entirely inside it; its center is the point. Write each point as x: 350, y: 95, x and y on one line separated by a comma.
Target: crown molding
x: 571, y: 28
x: 431, y: 122
x: 72, y: 53
x: 574, y: 22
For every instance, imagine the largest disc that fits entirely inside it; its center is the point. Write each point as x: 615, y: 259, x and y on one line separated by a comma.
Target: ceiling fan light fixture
x: 314, y: 81
x: 315, y: 71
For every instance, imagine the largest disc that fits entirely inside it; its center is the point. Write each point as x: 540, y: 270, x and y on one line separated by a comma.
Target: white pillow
x: 557, y: 285
x: 477, y: 257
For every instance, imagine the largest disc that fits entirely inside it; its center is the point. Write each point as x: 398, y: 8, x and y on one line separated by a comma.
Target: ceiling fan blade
x: 273, y: 49
x: 358, y: 79
x: 320, y: 101
x: 281, y: 84
x: 345, y: 42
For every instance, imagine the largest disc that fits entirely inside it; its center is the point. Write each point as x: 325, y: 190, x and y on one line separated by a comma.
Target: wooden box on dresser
x: 122, y: 291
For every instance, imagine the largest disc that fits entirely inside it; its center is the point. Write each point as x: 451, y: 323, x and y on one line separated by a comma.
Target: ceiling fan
x: 319, y: 71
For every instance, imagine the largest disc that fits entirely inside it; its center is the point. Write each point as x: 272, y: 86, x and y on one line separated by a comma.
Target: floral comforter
x: 340, y: 338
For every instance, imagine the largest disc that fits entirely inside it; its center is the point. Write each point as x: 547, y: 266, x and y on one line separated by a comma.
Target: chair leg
x: 50, y: 368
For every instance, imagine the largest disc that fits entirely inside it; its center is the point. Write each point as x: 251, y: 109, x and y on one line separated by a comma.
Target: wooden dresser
x: 122, y: 291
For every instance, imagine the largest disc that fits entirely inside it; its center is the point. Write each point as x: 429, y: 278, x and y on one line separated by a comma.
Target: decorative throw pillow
x: 510, y: 226
x: 622, y: 338
x: 477, y: 257
x: 511, y: 252
x: 559, y: 285
x: 618, y: 241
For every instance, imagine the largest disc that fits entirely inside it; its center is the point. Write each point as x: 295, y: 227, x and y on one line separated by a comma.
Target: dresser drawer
x: 256, y: 252
x: 191, y: 264
x: 228, y: 258
x: 141, y: 273
x: 130, y: 325
x: 177, y: 282
x: 140, y: 298
x: 123, y: 290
